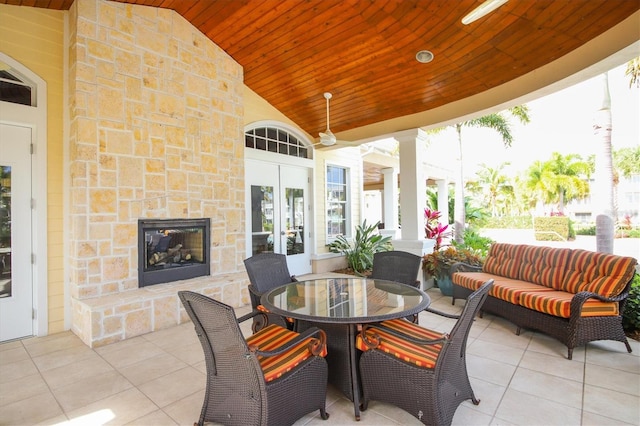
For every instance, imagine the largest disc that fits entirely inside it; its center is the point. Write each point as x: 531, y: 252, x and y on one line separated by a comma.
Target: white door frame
x: 35, y: 117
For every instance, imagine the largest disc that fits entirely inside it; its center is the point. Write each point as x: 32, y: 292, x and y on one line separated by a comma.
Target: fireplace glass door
x: 173, y: 249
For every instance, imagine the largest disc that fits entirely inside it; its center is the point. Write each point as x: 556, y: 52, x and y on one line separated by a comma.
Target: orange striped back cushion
x: 504, y: 260
x: 272, y: 337
x: 424, y: 356
x: 544, y: 265
x: 601, y: 273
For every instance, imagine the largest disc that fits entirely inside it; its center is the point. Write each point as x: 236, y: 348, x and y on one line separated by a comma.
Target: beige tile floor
x: 158, y: 379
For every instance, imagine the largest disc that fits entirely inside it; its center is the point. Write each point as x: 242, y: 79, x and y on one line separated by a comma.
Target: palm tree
x: 498, y: 122
x: 496, y: 188
x: 633, y: 71
x: 627, y: 161
x: 570, y: 174
x: 604, y: 179
x: 539, y: 180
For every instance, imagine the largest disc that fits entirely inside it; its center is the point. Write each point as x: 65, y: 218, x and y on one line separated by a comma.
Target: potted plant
x: 438, y: 264
x: 360, y: 251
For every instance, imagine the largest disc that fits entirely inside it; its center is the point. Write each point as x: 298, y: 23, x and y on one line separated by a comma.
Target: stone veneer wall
x: 155, y: 130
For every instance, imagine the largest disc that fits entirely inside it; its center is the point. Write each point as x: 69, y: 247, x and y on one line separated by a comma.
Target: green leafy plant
x: 475, y: 242
x: 631, y: 314
x: 359, y: 253
x: 437, y: 263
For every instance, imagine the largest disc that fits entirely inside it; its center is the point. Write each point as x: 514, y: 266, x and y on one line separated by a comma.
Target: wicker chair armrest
x: 442, y: 314
x: 464, y: 267
x: 316, y: 346
x: 376, y: 339
x: 251, y: 315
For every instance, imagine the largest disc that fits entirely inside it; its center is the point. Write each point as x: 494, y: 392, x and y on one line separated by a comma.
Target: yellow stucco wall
x: 34, y: 37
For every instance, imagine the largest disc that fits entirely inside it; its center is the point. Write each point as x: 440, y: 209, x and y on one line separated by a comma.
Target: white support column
x: 413, y: 186
x: 443, y: 200
x: 390, y: 199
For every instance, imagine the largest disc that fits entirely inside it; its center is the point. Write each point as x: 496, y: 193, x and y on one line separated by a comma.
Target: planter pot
x: 445, y: 285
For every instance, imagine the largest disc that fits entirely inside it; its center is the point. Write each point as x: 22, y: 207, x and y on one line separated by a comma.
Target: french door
x: 16, y: 284
x: 279, y: 212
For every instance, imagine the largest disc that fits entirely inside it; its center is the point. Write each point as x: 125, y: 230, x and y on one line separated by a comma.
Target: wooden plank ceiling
x: 363, y: 51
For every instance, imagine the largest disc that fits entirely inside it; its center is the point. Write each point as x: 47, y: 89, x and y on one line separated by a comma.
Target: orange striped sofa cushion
x: 558, y: 303
x: 544, y: 265
x: 601, y: 273
x: 503, y: 288
x: 424, y: 356
x: 504, y: 260
x: 471, y: 280
x: 512, y: 290
x: 271, y: 338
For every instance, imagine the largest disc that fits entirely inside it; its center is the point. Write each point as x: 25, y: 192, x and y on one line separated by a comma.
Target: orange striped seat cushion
x: 504, y: 260
x: 558, y: 303
x: 503, y: 288
x: 471, y: 280
x: 273, y: 337
x: 512, y: 290
x: 424, y: 356
x: 544, y: 265
x: 601, y: 273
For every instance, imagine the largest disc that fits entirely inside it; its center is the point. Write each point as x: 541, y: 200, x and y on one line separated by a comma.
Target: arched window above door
x: 15, y: 88
x: 276, y: 139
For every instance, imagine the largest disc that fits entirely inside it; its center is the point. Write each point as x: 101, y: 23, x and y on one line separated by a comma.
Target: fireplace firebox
x: 172, y: 249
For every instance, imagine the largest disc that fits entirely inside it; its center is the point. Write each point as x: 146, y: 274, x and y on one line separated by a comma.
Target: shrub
x: 509, y: 222
x: 631, y: 314
x: 589, y: 230
x: 551, y: 228
x: 475, y: 242
x: 366, y: 243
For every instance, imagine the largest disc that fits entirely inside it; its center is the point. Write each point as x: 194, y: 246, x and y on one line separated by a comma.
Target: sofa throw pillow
x: 544, y: 265
x: 601, y: 273
x: 504, y: 260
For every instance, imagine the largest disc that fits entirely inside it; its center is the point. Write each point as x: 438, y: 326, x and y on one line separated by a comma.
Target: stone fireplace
x: 156, y: 132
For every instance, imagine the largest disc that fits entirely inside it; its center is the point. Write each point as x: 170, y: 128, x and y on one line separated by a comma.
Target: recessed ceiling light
x: 485, y: 8
x: 424, y: 56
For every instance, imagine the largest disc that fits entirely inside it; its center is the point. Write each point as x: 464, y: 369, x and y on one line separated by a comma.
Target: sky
x: 561, y: 122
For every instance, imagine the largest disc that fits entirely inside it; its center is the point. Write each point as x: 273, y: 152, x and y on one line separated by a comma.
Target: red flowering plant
x: 433, y: 229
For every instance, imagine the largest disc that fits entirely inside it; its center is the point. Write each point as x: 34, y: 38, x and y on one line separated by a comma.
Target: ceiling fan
x: 327, y: 138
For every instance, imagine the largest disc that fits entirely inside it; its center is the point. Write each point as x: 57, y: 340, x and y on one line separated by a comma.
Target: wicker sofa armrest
x: 464, y: 267
x: 367, y: 339
x: 316, y: 346
x: 581, y: 297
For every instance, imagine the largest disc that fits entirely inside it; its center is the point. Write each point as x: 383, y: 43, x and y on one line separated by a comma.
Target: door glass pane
x: 294, y: 220
x: 261, y: 219
x: 5, y: 231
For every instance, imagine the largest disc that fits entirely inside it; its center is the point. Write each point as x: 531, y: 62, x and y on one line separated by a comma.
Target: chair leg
x: 323, y: 414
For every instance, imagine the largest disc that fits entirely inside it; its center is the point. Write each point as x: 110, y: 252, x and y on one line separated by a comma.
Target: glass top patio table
x: 340, y: 306
x: 346, y: 300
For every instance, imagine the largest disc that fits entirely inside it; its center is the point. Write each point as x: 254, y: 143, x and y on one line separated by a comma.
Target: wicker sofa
x: 576, y: 296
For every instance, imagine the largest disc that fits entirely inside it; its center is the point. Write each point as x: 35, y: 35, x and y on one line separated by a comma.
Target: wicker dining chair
x: 422, y: 371
x: 267, y: 271
x: 399, y: 266
x: 274, y: 377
